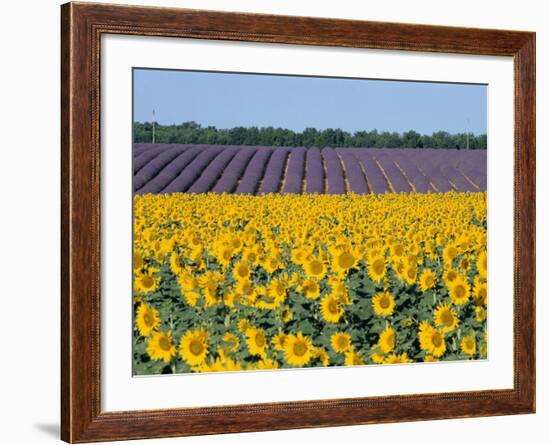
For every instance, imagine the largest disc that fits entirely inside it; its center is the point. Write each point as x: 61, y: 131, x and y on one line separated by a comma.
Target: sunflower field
x: 228, y: 282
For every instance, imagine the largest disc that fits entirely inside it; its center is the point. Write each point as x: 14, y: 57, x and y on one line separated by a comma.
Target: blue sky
x: 227, y: 100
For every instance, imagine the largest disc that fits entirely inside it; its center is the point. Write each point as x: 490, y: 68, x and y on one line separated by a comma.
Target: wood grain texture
x: 81, y: 28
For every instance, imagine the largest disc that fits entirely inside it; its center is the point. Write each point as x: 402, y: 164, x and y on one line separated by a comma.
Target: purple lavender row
x: 458, y: 181
x: 392, y: 173
x: 234, y: 170
x: 254, y: 172
x: 414, y: 175
x: 274, y: 171
x: 139, y: 148
x: 155, y: 165
x: 315, y: 175
x: 354, y: 173
x: 170, y: 171
x: 335, y: 175
x: 295, y: 171
x: 375, y: 178
x: 213, y: 171
x: 193, y: 170
x: 144, y: 158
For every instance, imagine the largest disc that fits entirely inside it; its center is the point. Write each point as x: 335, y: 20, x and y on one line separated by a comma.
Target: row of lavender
x: 168, y: 168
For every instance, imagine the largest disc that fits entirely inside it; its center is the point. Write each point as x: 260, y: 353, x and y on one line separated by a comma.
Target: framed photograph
x: 274, y: 222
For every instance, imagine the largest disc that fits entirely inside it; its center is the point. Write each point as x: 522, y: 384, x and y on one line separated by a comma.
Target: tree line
x: 194, y: 133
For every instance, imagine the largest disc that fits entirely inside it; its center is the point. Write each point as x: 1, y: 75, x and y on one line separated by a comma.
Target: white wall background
x: 29, y: 222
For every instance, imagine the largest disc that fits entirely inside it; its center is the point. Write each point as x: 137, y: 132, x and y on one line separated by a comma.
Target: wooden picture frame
x: 82, y: 26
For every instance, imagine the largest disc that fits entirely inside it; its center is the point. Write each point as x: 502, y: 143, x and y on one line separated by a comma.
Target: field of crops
x: 240, y: 281
x: 166, y: 168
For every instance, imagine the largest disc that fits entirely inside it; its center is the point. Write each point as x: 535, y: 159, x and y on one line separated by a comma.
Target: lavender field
x: 169, y: 168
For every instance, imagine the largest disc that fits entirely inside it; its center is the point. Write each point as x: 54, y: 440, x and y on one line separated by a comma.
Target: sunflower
x: 256, y: 341
x: 321, y: 355
x: 482, y: 263
x: 267, y: 363
x: 353, y: 358
x: 339, y: 290
x: 445, y: 318
x: 246, y: 292
x: 147, y: 319
x: 343, y: 260
x: 449, y: 276
x: 377, y: 358
x: 481, y: 314
x: 394, y: 358
x: 468, y: 345
x: 310, y: 289
x: 386, y: 342
x: 410, y: 273
x: 250, y: 255
x: 279, y: 341
x: 286, y: 314
x: 431, y: 339
x: 221, y: 364
x: 427, y: 280
x: 194, y: 346
x: 241, y: 271
x: 243, y: 324
x: 138, y: 261
x: 383, y: 304
x: 231, y: 342
x: 464, y: 263
x: 449, y: 253
x: 315, y: 267
x: 297, y: 349
x: 480, y: 293
x: 459, y: 290
x: 340, y: 341
x: 146, y: 281
x: 277, y: 291
x: 175, y: 263
x: 377, y: 268
x: 331, y: 309
x: 160, y: 346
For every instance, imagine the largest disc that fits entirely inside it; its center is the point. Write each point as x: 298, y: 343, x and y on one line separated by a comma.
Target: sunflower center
x: 384, y: 302
x: 148, y: 319
x: 342, y: 342
x: 196, y: 347
x: 260, y: 339
x: 378, y: 267
x: 447, y: 318
x: 147, y: 281
x: 411, y: 273
x: 346, y: 260
x: 437, y: 340
x: 333, y: 307
x: 242, y: 271
x: 469, y: 344
x: 316, y: 267
x: 300, y: 348
x: 164, y: 344
x: 460, y: 291
x: 451, y: 276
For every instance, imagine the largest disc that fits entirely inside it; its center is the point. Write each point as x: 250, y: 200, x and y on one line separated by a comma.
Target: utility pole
x: 153, y: 126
